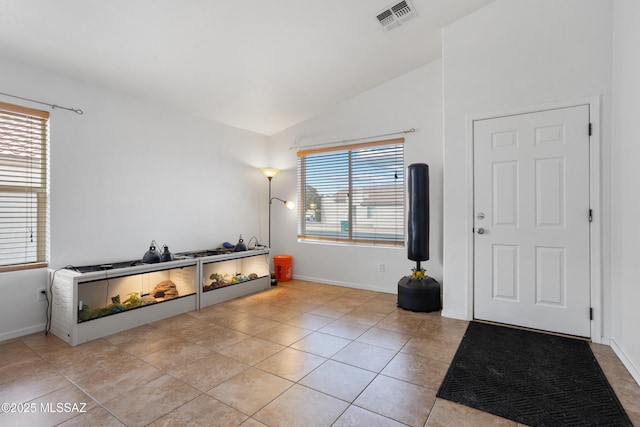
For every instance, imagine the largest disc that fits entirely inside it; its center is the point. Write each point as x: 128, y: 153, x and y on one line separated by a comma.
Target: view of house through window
x: 353, y: 193
x: 23, y: 187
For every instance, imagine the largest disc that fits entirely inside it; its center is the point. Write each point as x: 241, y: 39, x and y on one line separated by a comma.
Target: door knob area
x: 480, y: 230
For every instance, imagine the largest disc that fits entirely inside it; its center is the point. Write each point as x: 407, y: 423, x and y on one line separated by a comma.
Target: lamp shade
x: 288, y: 203
x: 270, y: 173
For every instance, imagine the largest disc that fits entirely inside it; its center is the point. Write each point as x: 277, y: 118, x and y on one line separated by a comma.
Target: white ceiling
x: 260, y: 65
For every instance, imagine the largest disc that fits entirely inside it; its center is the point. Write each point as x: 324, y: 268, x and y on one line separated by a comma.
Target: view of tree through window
x: 353, y: 193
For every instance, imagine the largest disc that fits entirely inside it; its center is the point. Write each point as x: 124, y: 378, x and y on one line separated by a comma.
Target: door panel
x: 505, y: 265
x: 505, y: 194
x: 550, y: 193
x: 550, y: 278
x: 531, y: 201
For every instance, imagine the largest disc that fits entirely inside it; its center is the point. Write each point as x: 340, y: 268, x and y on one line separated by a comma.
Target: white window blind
x: 23, y: 187
x: 353, y: 193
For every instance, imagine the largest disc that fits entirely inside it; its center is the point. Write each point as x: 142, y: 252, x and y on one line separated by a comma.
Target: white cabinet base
x: 108, y: 325
x: 72, y: 290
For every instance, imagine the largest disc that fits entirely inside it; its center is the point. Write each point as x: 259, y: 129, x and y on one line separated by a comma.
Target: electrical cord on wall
x: 252, y: 239
x: 48, y: 324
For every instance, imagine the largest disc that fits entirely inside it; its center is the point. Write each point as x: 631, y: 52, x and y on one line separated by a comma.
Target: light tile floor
x: 299, y: 354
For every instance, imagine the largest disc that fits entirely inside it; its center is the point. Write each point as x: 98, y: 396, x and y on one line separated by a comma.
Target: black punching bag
x: 418, y: 215
x: 418, y: 292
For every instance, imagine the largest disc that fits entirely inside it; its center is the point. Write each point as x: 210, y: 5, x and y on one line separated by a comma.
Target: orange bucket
x: 282, y: 267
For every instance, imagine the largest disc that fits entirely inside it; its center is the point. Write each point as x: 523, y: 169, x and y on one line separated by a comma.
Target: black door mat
x: 531, y: 378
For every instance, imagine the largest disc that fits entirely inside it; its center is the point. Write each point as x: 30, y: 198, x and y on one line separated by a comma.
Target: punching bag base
x: 419, y: 294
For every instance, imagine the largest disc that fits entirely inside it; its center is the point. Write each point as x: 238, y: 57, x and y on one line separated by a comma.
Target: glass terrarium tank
x: 95, y: 301
x: 224, y: 277
x: 220, y: 274
x: 108, y: 296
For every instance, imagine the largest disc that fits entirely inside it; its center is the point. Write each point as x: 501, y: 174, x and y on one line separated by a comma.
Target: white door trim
x: 594, y: 194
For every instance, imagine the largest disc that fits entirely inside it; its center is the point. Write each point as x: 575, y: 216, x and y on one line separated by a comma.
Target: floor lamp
x: 270, y: 173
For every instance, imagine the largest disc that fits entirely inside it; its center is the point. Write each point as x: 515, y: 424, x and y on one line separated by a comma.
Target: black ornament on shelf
x: 166, y: 255
x: 152, y: 255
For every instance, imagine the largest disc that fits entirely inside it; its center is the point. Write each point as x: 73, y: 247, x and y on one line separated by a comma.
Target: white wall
x: 626, y: 175
x: 413, y: 100
x: 127, y: 172
x: 513, y: 54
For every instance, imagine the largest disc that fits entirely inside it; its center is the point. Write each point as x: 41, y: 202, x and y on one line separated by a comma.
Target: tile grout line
x: 83, y: 391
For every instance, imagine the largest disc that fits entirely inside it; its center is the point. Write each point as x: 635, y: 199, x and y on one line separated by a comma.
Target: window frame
x: 39, y: 190
x: 399, y: 221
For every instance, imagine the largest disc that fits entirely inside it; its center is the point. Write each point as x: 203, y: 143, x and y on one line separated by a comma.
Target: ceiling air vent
x: 396, y: 14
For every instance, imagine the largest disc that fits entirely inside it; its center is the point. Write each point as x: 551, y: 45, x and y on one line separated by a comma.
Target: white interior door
x: 532, y: 214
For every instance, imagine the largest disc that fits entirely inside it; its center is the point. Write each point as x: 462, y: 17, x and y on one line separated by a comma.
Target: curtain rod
x: 53, y: 106
x: 354, y: 139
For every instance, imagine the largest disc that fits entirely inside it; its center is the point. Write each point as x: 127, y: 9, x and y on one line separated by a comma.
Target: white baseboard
x: 455, y: 315
x: 631, y: 367
x: 344, y: 284
x: 22, y: 332
x: 601, y: 340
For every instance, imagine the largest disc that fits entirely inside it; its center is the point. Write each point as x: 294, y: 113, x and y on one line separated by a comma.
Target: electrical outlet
x: 381, y: 267
x: 42, y: 292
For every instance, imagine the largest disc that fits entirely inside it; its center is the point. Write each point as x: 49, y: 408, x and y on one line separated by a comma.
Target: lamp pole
x: 270, y: 173
x: 270, y: 178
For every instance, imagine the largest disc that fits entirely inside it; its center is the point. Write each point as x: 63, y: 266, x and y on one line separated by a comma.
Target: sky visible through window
x: 328, y: 173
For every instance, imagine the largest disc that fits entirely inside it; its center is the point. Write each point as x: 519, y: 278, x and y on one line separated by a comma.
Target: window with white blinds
x: 23, y: 187
x: 353, y: 193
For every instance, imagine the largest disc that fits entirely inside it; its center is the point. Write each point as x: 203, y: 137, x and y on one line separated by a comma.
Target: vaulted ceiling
x: 260, y: 65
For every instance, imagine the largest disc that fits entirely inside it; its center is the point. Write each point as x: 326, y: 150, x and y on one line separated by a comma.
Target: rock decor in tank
x: 163, y: 291
x: 221, y: 280
x: 217, y: 281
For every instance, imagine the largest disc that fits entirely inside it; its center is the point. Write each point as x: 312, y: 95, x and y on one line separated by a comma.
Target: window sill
x: 19, y: 267
x: 350, y: 243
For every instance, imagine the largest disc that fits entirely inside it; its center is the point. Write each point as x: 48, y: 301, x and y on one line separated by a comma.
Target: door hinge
x: 590, y: 313
x: 590, y: 215
x: 590, y: 129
